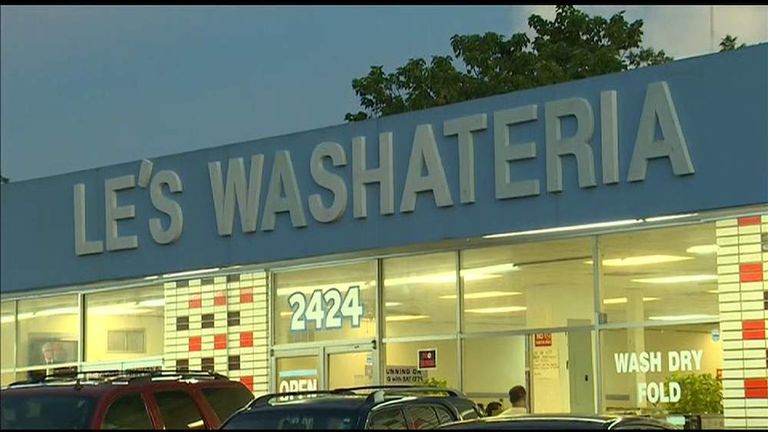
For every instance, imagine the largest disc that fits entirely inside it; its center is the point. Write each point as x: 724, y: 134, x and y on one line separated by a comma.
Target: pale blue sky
x: 83, y: 87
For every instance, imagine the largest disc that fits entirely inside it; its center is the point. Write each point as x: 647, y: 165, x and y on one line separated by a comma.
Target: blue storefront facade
x: 596, y: 240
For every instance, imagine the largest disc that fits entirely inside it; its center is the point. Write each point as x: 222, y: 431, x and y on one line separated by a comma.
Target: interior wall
x: 493, y: 365
x: 98, y: 328
x: 65, y: 326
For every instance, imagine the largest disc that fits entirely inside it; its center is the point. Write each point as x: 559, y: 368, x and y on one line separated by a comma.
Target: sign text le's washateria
x: 425, y: 171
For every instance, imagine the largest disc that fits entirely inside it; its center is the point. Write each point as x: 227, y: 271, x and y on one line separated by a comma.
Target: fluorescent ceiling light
x: 714, y: 291
x: 622, y: 300
x: 392, y: 304
x: 473, y: 274
x: 57, y: 311
x: 498, y: 309
x: 436, y: 278
x: 191, y: 272
x: 152, y: 277
x: 567, y: 228
x: 682, y: 317
x: 670, y: 217
x: 641, y: 260
x: 394, y: 318
x: 309, y: 289
x: 592, y: 225
x: 493, y: 269
x: 117, y: 310
x: 703, y: 249
x: 152, y: 302
x: 484, y: 294
x: 676, y: 279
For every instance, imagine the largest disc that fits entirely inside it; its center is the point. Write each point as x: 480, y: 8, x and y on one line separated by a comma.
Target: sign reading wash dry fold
x: 659, y: 362
x: 677, y: 138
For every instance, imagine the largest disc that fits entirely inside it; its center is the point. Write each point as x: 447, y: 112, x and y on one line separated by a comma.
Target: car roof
x: 350, y: 397
x: 99, y: 382
x: 602, y: 419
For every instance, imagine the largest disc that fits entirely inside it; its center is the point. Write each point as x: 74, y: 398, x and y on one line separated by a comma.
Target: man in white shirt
x: 517, y: 396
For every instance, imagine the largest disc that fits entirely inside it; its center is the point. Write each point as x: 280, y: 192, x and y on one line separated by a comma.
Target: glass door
x: 350, y: 366
x: 324, y: 368
x: 296, y: 370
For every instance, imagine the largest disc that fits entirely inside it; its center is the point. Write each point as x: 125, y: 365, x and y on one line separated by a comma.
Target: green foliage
x: 434, y: 382
x: 572, y: 46
x: 700, y: 394
x: 729, y: 43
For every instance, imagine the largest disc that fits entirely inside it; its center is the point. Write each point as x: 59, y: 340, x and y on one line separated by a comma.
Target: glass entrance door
x: 349, y: 367
x: 297, y: 371
x: 324, y: 368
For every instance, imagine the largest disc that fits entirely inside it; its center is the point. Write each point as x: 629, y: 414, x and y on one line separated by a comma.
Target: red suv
x: 123, y: 400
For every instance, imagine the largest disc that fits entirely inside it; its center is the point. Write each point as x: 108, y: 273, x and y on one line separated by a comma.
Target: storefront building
x: 603, y: 242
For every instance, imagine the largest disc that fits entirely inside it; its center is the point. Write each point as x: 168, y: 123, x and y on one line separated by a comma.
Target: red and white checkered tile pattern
x: 742, y: 267
x: 219, y: 322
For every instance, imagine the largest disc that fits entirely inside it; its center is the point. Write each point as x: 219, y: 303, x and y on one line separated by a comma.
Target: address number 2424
x: 327, y: 310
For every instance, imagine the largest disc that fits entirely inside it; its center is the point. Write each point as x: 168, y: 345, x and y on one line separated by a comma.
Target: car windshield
x: 298, y: 418
x: 46, y: 411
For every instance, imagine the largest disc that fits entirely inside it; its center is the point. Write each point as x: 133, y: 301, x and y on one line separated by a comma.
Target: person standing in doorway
x: 517, y: 397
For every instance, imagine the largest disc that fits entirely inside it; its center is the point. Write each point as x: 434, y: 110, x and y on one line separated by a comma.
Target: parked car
x: 370, y: 407
x: 561, y: 422
x: 122, y: 400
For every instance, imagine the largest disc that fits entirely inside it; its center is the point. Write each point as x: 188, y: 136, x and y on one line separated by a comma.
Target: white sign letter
x: 167, y: 206
x: 463, y: 127
x: 332, y: 182
x: 115, y: 213
x: 383, y: 175
x: 283, y: 178
x: 577, y: 145
x: 82, y: 245
x: 658, y: 104
x: 504, y: 152
x: 424, y: 153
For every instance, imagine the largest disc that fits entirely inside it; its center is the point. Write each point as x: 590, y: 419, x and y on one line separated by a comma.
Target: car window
x: 179, y: 411
x: 39, y: 411
x: 443, y: 415
x: 227, y: 400
x: 127, y: 412
x: 422, y: 416
x: 468, y: 410
x: 392, y: 418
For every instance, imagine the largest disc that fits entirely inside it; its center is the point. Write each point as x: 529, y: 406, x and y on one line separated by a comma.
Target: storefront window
x: 660, y: 275
x: 48, y: 331
x: 534, y: 285
x: 420, y: 295
x: 494, y: 365
x: 431, y: 362
x: 124, y: 324
x: 669, y: 370
x: 326, y: 303
x: 7, y: 334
